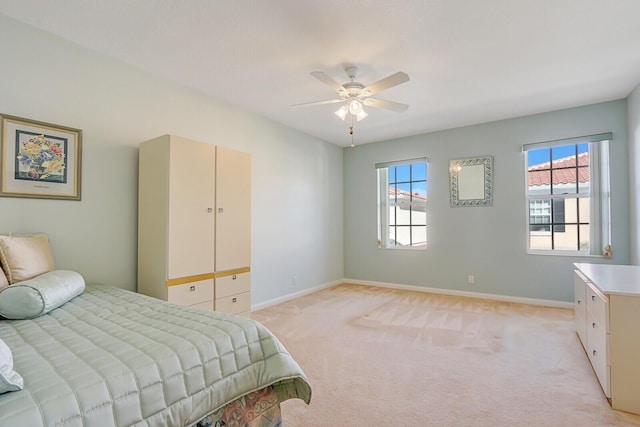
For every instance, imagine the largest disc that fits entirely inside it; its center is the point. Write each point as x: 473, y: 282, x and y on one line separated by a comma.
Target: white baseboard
x: 295, y: 295
x: 480, y: 295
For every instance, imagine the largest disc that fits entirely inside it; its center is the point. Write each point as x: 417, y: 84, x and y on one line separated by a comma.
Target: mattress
x: 111, y: 357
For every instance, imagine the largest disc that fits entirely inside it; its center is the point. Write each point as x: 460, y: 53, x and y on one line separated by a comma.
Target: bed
x: 104, y: 356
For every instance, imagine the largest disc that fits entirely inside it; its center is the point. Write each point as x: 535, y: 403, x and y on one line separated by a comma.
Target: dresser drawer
x: 234, y: 304
x: 598, y: 305
x: 580, y: 306
x: 598, y: 352
x: 191, y: 293
x: 231, y: 285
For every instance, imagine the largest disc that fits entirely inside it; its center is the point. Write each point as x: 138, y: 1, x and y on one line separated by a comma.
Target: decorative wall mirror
x: 471, y: 181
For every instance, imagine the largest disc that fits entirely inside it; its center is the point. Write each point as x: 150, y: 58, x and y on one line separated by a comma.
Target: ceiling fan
x: 354, y: 95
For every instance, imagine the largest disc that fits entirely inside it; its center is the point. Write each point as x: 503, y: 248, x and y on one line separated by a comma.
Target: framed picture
x: 39, y: 160
x: 471, y: 181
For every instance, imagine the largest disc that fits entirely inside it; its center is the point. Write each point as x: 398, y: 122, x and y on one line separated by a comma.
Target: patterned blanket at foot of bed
x: 257, y: 409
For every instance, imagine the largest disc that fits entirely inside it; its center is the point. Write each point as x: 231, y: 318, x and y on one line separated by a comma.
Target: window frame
x: 383, y: 215
x: 599, y: 196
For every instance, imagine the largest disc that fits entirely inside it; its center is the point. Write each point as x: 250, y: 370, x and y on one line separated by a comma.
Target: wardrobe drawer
x: 598, y: 305
x: 231, y: 285
x: 191, y: 293
x: 207, y: 305
x: 234, y: 304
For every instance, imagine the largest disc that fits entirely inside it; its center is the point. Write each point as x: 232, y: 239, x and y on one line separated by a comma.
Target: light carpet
x: 386, y: 357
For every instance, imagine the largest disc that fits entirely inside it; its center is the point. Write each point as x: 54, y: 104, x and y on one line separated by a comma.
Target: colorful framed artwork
x: 39, y: 160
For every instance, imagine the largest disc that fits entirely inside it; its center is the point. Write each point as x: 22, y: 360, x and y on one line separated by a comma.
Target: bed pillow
x: 25, y: 257
x: 10, y: 380
x: 37, y: 296
x: 3, y: 279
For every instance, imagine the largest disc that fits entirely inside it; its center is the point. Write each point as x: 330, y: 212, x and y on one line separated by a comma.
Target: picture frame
x: 471, y: 181
x: 39, y: 160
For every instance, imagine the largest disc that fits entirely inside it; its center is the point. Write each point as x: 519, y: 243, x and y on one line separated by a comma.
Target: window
x: 568, y: 195
x: 402, y: 204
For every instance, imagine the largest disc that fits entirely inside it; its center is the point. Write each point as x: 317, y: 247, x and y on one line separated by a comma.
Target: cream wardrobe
x: 194, y: 224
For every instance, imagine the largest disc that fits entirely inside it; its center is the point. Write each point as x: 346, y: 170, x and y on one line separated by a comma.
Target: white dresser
x: 194, y: 224
x: 607, y: 315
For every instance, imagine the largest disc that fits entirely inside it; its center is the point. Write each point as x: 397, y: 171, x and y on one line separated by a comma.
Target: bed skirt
x: 257, y: 409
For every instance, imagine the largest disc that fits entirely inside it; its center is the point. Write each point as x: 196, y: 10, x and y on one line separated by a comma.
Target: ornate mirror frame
x: 471, y: 181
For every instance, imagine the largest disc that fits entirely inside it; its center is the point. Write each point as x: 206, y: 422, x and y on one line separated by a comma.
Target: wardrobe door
x: 233, y: 209
x: 191, y: 208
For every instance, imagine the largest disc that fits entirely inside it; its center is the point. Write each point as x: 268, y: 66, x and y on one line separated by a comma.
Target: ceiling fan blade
x: 386, y: 83
x: 387, y: 105
x: 329, y: 101
x: 328, y: 81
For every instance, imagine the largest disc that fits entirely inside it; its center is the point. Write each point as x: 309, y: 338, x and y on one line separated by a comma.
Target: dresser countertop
x: 613, y: 279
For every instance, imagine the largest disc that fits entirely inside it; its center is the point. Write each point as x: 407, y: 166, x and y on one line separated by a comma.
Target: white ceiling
x: 469, y: 61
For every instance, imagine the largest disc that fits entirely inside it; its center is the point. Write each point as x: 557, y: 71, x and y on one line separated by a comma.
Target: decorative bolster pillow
x: 37, y: 296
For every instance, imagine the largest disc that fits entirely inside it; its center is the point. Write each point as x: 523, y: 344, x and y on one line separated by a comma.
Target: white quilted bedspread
x: 110, y: 357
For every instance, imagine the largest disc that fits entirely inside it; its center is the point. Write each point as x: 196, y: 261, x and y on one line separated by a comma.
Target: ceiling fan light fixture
x: 355, y: 107
x: 342, y: 112
x: 361, y: 115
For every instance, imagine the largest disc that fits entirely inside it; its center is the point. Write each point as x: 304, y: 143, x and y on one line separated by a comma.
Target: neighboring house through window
x: 568, y: 195
x: 402, y: 204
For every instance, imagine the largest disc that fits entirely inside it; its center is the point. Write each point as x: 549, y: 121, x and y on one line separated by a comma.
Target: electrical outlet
x: 294, y: 280
x: 471, y: 280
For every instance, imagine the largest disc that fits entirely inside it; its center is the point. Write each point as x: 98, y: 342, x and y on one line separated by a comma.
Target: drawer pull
x: 593, y: 297
x: 594, y: 352
x: 593, y: 325
x: 579, y: 302
x: 234, y: 299
x: 209, y: 210
x: 192, y: 288
x: 234, y: 277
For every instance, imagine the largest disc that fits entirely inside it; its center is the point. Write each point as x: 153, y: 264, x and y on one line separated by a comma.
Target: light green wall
x: 297, y: 195
x: 487, y: 242
x: 296, y: 179
x: 633, y: 106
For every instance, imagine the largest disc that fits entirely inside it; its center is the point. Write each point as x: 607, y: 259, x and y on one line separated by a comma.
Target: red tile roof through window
x: 564, y: 171
x: 394, y: 191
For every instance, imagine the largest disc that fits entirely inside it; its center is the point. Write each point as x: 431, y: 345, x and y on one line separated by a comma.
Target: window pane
x: 392, y: 174
x: 403, y: 236
x: 418, y: 216
x: 539, y: 241
x: 563, y: 152
x: 403, y: 190
x: 567, y: 240
x: 392, y: 215
x: 564, y: 180
x: 583, y: 148
x: 419, y: 236
x: 539, y: 156
x: 539, y: 215
x: 583, y: 178
x: 585, y: 238
x: 419, y: 189
x: 403, y: 173
x: 584, y: 204
x: 570, y: 207
x: 539, y: 181
x: 419, y: 172
x: 403, y: 216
